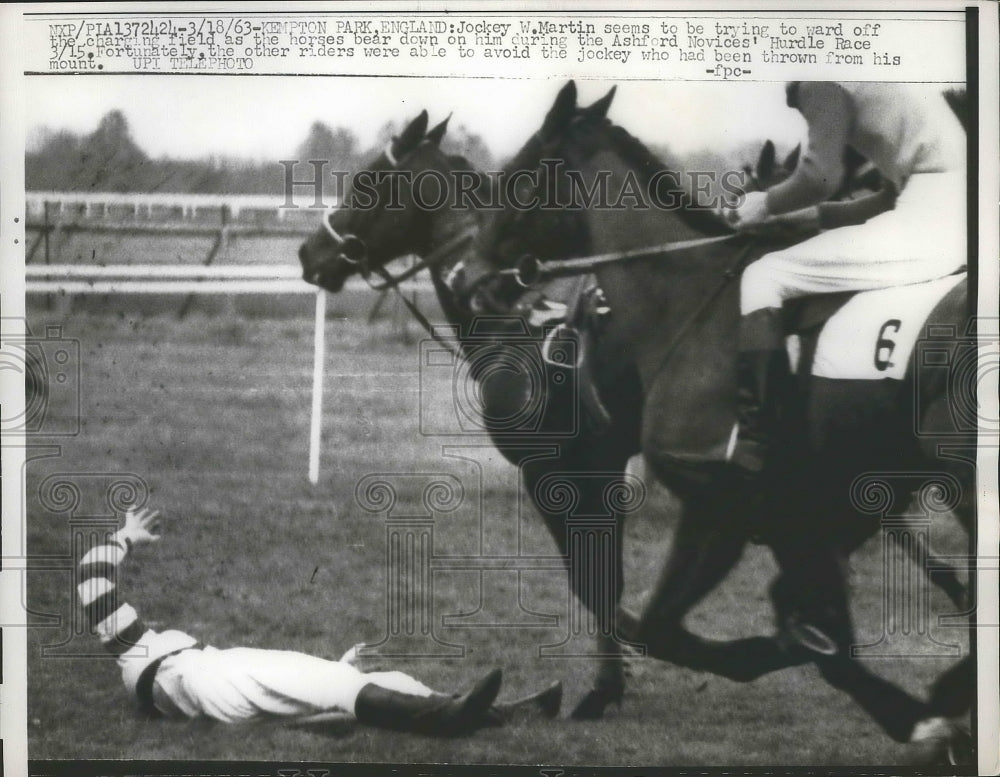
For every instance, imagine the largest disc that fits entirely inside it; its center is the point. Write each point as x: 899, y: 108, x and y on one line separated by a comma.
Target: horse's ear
x: 792, y: 160
x: 765, y: 162
x: 435, y: 135
x: 412, y: 135
x: 600, y: 108
x: 562, y: 110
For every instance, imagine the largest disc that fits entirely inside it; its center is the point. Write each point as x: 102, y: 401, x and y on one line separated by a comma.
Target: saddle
x: 807, y: 314
x: 863, y: 335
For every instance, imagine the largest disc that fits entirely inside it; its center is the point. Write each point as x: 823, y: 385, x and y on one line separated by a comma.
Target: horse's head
x: 532, y: 220
x: 388, y: 211
x: 578, y: 174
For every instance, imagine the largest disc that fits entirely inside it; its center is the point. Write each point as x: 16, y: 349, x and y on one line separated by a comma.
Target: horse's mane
x: 649, y: 164
x: 483, y: 184
x: 461, y: 162
x: 566, y: 232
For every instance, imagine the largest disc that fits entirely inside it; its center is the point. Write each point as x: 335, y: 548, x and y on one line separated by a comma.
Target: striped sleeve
x: 114, y: 621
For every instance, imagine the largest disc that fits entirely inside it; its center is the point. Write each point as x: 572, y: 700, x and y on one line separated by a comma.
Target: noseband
x: 354, y: 251
x: 352, y: 248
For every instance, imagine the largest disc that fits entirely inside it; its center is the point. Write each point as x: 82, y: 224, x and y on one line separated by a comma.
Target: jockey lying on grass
x: 172, y: 674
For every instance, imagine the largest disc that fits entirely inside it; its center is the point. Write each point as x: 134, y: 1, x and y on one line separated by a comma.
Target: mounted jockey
x: 919, y: 146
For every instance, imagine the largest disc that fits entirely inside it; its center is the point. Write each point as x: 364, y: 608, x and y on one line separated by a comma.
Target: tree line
x: 109, y: 160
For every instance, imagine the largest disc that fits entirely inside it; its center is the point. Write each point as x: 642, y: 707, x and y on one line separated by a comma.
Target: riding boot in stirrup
x: 762, y: 377
x: 435, y: 715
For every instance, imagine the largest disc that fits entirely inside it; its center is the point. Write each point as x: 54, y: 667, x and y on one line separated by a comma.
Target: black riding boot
x: 762, y: 378
x: 545, y: 704
x: 436, y: 715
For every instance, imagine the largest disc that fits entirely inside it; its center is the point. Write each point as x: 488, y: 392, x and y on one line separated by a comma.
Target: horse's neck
x: 666, y: 286
x: 675, y: 313
x: 447, y: 226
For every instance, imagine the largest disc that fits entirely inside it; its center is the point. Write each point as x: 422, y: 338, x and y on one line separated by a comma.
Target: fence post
x: 221, y: 240
x: 319, y: 363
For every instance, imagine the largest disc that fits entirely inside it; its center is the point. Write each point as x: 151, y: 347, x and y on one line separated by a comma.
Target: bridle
x: 353, y: 250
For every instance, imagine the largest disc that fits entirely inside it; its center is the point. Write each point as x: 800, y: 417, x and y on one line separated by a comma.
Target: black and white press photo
x: 445, y: 388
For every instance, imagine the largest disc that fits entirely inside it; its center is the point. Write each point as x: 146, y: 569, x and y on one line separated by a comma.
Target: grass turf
x: 212, y: 414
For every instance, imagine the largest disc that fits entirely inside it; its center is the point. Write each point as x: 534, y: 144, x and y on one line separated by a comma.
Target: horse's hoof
x: 592, y: 706
x: 940, y: 742
x: 811, y: 638
x: 961, y: 748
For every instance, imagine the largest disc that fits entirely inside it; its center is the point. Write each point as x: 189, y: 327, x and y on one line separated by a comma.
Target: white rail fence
x: 185, y: 279
x: 219, y: 279
x: 45, y: 216
x: 188, y: 204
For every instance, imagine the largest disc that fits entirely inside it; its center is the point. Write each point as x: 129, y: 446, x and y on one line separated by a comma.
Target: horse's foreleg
x: 577, y: 499
x: 703, y: 551
x: 596, y: 566
x: 609, y: 683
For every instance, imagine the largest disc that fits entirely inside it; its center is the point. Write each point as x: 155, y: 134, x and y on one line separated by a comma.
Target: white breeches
x: 922, y: 238
x: 242, y: 684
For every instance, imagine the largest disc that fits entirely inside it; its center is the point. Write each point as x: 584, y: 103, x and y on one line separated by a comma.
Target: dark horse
x: 555, y: 445
x: 853, y: 455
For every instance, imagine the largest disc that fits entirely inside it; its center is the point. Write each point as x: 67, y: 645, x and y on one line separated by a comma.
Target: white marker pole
x: 319, y: 352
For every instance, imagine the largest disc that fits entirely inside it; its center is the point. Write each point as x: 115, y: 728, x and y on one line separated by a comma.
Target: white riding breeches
x: 922, y: 238
x: 242, y: 684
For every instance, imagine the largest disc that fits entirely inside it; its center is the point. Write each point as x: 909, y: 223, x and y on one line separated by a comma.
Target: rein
x: 530, y: 270
x: 433, y: 259
x: 731, y: 272
x: 415, y: 311
x: 436, y: 257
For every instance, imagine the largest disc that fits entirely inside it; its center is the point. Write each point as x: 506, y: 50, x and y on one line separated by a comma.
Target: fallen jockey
x: 170, y: 673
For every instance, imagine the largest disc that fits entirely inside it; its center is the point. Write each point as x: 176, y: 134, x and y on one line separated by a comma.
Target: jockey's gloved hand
x: 752, y: 213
